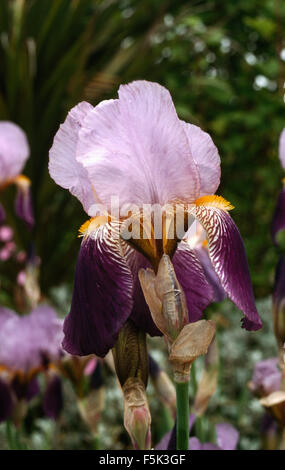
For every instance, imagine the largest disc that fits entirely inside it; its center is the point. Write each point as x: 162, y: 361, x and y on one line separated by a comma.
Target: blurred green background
x: 223, y: 63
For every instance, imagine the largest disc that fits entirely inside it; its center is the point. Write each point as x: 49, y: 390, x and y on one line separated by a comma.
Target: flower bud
x: 165, y: 298
x: 137, y: 417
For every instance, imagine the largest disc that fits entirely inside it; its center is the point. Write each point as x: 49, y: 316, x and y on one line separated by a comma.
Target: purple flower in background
x: 14, y: 152
x: 226, y: 438
x: 278, y: 222
x: 266, y: 377
x: 28, y: 344
x: 136, y: 149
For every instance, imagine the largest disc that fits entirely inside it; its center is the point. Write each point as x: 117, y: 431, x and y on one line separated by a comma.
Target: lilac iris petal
x: 53, y: 398
x: 266, y: 377
x: 6, y: 401
x: 130, y: 148
x: 25, y: 339
x: 228, y: 257
x: 102, y: 297
x: 278, y: 222
x: 206, y: 156
x: 14, y: 150
x: 63, y: 167
x: 203, y: 256
x: 24, y: 206
x: 190, y: 275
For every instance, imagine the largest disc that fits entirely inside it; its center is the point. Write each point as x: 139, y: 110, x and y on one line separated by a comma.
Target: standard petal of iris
x: 190, y: 275
x: 102, y: 296
x: 63, y: 166
x: 206, y: 156
x: 278, y: 222
x: 14, y: 150
x: 136, y: 148
x: 228, y: 256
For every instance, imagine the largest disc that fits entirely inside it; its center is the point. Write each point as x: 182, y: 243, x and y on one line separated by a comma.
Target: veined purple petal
x: 14, y: 150
x: 279, y: 284
x: 102, y: 297
x: 53, y: 398
x: 140, y: 314
x: 206, y: 156
x: 6, y: 401
x: 33, y: 389
x: 63, y: 167
x: 278, y: 222
x: 203, y: 256
x: 190, y: 275
x: 228, y: 257
x: 24, y: 206
x: 135, y: 148
x: 282, y: 148
x: 227, y: 436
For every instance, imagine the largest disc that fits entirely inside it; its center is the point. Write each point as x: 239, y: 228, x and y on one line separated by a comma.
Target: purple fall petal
x: 6, y: 401
x: 102, y: 297
x: 203, y: 256
x: 24, y: 206
x: 279, y: 284
x: 140, y: 314
x: 33, y: 389
x: 228, y: 257
x: 190, y: 275
x: 278, y: 222
x: 53, y: 398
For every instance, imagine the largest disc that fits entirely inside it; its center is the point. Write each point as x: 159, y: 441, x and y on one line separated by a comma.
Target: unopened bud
x: 165, y: 298
x: 192, y: 342
x: 137, y: 418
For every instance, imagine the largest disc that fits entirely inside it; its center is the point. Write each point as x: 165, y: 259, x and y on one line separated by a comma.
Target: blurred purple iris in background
x: 14, y: 152
x: 28, y: 345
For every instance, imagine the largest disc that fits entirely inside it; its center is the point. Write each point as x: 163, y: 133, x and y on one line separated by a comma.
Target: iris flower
x: 137, y: 150
x: 14, y: 152
x: 28, y: 345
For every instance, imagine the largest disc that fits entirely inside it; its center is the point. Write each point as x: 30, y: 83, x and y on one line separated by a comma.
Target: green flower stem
x: 182, y: 402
